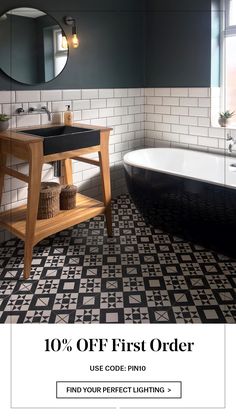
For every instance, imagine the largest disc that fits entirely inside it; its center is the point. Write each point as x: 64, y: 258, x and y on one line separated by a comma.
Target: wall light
x: 70, y: 21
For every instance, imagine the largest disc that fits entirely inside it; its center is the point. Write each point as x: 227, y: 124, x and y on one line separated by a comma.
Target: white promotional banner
x: 146, y: 366
x: 121, y: 370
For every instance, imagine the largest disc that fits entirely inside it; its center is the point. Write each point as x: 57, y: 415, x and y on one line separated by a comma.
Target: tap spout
x: 231, y: 143
x: 45, y: 109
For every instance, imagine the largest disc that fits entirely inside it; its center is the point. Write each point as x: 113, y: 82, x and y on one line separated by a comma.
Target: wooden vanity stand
x: 22, y: 221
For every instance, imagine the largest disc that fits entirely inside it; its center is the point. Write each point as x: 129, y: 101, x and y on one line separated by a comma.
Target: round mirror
x: 31, y: 47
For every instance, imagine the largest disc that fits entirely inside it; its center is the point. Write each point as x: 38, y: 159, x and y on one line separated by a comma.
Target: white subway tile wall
x: 120, y: 109
x: 182, y: 117
x: 151, y: 117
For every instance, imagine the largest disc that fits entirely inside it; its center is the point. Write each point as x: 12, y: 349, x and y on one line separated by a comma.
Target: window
x: 232, y: 13
x: 229, y: 58
x: 60, y: 53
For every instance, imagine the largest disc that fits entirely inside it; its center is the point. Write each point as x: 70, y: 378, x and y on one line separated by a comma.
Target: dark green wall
x: 178, y: 43
x: 132, y: 43
x: 111, y: 53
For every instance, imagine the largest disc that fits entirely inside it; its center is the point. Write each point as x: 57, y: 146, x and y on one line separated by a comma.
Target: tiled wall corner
x: 183, y: 117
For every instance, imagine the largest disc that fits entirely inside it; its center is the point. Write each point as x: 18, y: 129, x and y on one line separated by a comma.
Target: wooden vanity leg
x: 35, y: 172
x: 106, y: 182
x: 3, y: 159
x: 68, y: 172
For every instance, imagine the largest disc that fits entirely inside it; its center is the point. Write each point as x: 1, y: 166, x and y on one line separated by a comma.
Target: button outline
x: 117, y: 398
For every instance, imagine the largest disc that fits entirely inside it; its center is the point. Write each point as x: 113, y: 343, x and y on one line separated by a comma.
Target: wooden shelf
x: 22, y: 221
x: 15, y: 220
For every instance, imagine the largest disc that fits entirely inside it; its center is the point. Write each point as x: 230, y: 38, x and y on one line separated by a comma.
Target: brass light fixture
x: 70, y: 21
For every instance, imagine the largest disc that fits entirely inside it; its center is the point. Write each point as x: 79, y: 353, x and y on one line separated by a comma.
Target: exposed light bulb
x: 75, y: 40
x: 64, y: 43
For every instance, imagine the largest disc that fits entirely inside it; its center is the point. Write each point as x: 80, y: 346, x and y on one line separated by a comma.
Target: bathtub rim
x: 224, y: 157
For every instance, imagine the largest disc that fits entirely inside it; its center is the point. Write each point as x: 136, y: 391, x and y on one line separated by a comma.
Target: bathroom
x: 151, y: 71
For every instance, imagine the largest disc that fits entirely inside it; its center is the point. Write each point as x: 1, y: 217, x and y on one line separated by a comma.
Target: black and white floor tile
x: 141, y: 275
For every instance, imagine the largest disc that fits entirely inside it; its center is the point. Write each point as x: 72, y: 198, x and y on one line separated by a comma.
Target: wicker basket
x: 49, y: 200
x: 68, y: 197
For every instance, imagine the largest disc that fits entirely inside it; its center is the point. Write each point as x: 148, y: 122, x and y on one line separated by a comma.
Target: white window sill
x: 229, y: 127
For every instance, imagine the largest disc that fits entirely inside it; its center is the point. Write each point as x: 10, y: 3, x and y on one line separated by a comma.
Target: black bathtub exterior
x: 198, y: 211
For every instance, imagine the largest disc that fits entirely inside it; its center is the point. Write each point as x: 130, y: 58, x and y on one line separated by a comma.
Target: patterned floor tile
x: 42, y: 302
x: 7, y: 287
x: 111, y: 271
x: 225, y: 296
x: 26, y: 287
x: 37, y: 316
x: 90, y: 300
x: 180, y: 248
x: 87, y: 316
x: 112, y: 284
x: 191, y: 269
x: 55, y: 261
x: 62, y: 317
x: 175, y: 282
x: 111, y: 300
x: 66, y: 301
x: 133, y: 284
x: 186, y: 314
x: 157, y: 283
x: 197, y: 282
x: 212, y: 314
x: 90, y: 285
x: 136, y: 315
x: 68, y: 286
x: 19, y: 302
x: 140, y: 275
x: 11, y: 273
x: 151, y: 270
x: 180, y: 298
x: 205, y: 257
x: 229, y: 312
x: 112, y: 316
x: 203, y: 297
x: 161, y: 315
x: 228, y: 268
x: 47, y: 286
x: 157, y: 298
x: 167, y: 258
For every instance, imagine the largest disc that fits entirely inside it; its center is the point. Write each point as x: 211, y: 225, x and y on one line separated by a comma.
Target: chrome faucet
x: 21, y: 111
x: 232, y: 142
x: 45, y: 109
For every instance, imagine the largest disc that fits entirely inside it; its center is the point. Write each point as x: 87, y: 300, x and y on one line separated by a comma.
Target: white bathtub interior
x: 212, y: 168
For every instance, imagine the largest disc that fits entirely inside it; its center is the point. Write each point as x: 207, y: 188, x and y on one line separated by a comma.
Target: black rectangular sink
x: 63, y: 138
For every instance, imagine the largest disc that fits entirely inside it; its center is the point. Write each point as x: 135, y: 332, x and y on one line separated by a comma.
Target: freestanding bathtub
x: 187, y: 193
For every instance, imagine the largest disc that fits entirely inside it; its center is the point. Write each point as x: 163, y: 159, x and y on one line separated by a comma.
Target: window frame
x: 229, y: 29
x: 226, y: 31
x: 58, y: 52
